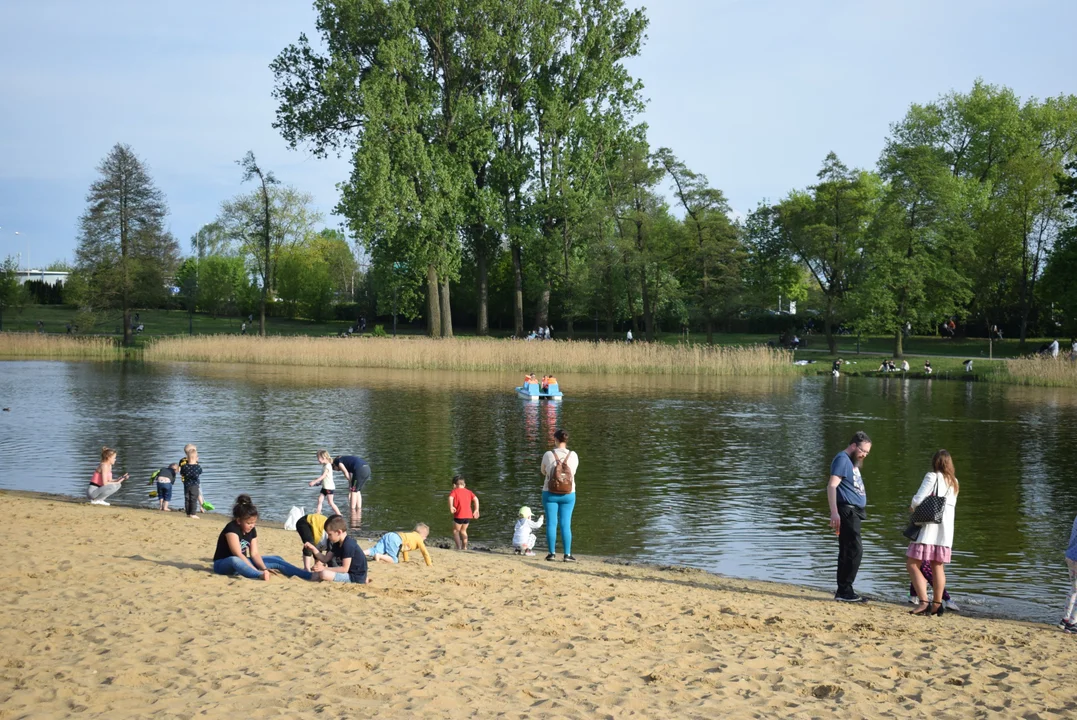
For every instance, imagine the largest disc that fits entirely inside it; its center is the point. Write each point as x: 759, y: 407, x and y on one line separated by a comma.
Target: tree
x: 339, y: 257
x: 826, y: 230
x: 212, y: 239
x: 124, y: 250
x: 261, y: 225
x: 291, y: 220
x: 11, y: 290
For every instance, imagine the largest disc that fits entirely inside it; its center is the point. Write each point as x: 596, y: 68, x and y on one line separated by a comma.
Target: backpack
x: 560, y: 477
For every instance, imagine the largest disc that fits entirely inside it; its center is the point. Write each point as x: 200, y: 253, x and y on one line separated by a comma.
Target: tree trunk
x: 518, y: 298
x: 446, y: 308
x: 828, y: 321
x: 568, y: 328
x: 484, y: 289
x: 648, y: 316
x: 542, y: 314
x: 433, y: 303
x: 899, y: 350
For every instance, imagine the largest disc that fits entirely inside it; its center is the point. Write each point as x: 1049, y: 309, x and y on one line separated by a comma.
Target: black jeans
x: 306, y: 534
x: 191, y: 493
x: 850, y: 548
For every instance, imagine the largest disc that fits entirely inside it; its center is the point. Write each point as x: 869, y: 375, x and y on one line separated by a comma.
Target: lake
x: 723, y: 474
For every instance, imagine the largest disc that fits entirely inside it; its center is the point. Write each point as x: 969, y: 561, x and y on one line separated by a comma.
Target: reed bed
x: 58, y: 347
x: 477, y: 354
x: 1041, y: 371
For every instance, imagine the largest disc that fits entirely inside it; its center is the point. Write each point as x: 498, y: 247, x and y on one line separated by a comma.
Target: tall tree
x: 263, y: 225
x: 211, y: 239
x: 826, y: 229
x: 124, y: 250
x: 11, y: 290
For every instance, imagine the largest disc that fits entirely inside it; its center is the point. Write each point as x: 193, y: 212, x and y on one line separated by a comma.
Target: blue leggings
x: 233, y: 565
x: 559, y: 512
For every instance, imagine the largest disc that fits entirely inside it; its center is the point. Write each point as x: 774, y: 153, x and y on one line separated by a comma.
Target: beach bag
x: 929, y: 512
x: 293, y: 517
x: 560, y: 480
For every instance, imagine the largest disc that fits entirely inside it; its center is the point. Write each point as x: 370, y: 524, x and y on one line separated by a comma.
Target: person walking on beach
x: 559, y: 494
x: 464, y: 506
x: 101, y: 484
x: 356, y: 471
x: 935, y: 539
x: 326, y: 480
x: 237, y: 548
x: 848, y: 500
x: 191, y: 472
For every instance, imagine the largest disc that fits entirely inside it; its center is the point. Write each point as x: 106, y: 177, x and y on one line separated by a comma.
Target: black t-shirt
x: 350, y: 549
x: 166, y: 474
x: 223, y: 551
x: 190, y: 473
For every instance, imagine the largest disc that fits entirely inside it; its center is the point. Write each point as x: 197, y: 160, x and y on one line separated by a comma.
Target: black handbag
x: 912, y: 531
x: 930, y: 510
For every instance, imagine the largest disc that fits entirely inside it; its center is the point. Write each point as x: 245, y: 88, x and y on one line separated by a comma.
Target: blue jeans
x: 238, y: 566
x: 558, y: 512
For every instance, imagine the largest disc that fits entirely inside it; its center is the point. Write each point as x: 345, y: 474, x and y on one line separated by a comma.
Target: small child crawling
x: 523, y: 537
x: 393, y: 544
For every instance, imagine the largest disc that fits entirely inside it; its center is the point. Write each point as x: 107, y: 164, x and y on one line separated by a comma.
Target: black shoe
x: 569, y: 558
x: 551, y: 556
x: 854, y: 598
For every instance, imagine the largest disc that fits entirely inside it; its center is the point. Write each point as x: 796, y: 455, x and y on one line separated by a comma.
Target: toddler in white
x: 523, y: 537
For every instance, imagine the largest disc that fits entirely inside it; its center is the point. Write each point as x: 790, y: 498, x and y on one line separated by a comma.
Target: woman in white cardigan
x: 935, y: 539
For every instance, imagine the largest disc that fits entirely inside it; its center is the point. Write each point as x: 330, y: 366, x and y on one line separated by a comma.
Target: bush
x: 346, y: 311
x: 378, y: 331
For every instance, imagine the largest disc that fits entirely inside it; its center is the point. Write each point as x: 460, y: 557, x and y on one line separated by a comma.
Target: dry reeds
x: 477, y: 354
x: 57, y: 347
x: 1041, y: 371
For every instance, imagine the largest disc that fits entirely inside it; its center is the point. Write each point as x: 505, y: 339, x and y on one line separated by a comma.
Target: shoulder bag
x: 930, y: 510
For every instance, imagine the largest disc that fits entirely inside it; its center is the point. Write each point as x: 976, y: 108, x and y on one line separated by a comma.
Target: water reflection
x: 725, y: 474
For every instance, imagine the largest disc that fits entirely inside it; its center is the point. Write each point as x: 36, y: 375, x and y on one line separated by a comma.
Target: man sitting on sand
x: 392, y: 544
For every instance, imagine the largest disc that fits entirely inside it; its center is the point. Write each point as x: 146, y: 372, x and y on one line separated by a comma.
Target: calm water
x: 724, y: 475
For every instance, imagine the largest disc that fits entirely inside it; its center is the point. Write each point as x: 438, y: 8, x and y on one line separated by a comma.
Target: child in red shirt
x: 464, y: 507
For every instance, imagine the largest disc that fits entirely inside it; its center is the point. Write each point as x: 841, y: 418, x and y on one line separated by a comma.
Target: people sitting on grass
x: 927, y: 367
x: 968, y: 365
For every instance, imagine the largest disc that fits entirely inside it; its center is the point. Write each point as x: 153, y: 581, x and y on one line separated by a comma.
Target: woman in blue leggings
x: 559, y: 505
x: 237, y: 548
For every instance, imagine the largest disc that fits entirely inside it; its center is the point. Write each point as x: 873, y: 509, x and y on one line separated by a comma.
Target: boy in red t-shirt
x: 464, y: 507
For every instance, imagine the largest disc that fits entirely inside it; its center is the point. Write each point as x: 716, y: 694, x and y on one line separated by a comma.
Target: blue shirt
x: 350, y: 549
x: 851, y: 488
x: 1071, y: 551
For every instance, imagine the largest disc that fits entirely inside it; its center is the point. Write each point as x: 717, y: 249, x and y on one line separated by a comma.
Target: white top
x: 522, y: 531
x: 549, y: 462
x: 328, y: 483
x: 1054, y: 348
x: 629, y: 335
x: 937, y: 533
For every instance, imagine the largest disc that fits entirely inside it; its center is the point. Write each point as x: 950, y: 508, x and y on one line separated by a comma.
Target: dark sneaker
x: 1067, y: 626
x: 569, y: 558
x: 854, y: 598
x: 551, y: 556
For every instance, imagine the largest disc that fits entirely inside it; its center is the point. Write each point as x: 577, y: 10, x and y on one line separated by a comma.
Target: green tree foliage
x: 124, y: 253
x: 11, y: 290
x: 212, y: 239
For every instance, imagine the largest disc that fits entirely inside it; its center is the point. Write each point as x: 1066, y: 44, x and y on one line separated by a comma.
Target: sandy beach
x: 113, y: 612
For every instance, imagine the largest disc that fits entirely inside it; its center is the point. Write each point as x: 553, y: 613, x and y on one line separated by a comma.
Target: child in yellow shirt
x: 390, y: 545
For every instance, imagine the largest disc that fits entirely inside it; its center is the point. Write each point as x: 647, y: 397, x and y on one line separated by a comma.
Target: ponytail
x: 244, y: 508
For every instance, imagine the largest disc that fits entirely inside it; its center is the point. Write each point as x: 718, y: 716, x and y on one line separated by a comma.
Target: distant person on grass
x: 558, y: 470
x: 464, y: 506
x: 101, y: 484
x: 237, y: 548
x: 847, y: 498
x: 347, y: 562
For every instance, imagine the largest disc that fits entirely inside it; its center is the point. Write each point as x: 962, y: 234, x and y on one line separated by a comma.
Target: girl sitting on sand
x: 101, y: 484
x: 237, y: 548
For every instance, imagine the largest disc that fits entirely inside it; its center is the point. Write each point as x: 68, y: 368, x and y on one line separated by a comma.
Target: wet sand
x: 113, y: 612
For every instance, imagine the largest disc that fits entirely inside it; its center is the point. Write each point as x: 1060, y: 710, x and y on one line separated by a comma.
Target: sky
x: 751, y: 93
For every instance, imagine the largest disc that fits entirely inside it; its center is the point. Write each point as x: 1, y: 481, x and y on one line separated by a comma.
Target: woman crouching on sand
x: 101, y: 484
x: 933, y: 543
x: 237, y: 548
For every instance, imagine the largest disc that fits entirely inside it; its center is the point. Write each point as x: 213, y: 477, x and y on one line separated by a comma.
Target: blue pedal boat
x: 535, y: 392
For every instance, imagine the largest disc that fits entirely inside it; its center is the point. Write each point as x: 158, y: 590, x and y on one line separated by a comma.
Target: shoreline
x: 504, y: 550
x: 128, y: 621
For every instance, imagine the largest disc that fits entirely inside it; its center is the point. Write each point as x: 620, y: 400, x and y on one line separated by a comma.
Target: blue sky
x: 753, y: 93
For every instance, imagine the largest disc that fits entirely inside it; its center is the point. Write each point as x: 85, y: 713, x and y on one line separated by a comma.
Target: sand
x: 112, y: 612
